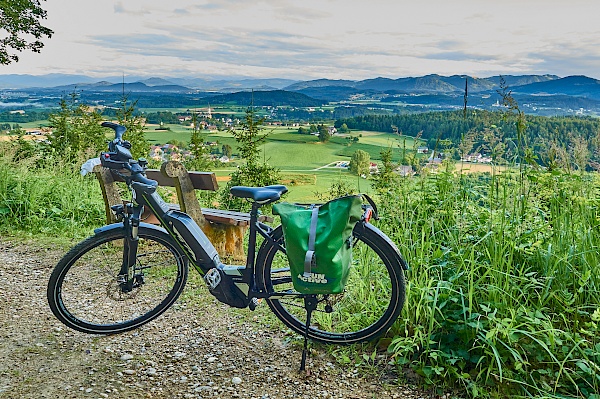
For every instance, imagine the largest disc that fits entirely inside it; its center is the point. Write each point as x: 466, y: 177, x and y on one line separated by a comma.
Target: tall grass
x: 52, y: 198
x: 504, y: 289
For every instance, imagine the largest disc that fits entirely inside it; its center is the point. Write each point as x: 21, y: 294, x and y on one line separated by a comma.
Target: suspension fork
x: 131, y: 223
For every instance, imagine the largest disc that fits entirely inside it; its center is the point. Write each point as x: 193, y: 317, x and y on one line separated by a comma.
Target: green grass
x: 503, y: 291
x: 48, y: 198
x: 383, y: 139
x: 290, y: 156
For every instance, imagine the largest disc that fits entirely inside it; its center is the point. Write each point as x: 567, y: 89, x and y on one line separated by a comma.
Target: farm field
x: 305, y: 186
x: 301, y: 158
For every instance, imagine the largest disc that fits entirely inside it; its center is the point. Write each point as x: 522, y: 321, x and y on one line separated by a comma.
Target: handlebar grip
x: 119, y: 129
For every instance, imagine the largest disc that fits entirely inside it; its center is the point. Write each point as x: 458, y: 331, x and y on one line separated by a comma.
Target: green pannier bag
x: 318, y: 242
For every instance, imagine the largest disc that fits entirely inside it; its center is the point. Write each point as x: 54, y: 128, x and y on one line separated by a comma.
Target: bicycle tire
x: 83, y: 292
x: 370, y: 304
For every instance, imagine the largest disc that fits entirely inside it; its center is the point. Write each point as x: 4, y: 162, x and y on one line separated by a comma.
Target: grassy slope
x: 295, y: 154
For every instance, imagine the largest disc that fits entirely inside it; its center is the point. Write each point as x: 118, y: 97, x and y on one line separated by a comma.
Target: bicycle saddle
x: 259, y: 194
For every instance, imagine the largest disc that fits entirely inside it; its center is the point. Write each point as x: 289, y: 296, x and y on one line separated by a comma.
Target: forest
x: 451, y: 128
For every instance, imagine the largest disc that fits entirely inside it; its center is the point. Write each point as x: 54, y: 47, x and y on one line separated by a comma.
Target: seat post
x: 252, y: 237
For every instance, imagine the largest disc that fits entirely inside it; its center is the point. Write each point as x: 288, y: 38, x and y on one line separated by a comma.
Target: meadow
x: 297, y: 154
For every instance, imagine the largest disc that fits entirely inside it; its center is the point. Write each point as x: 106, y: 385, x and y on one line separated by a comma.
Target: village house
x: 405, y: 170
x: 156, y: 153
x: 476, y: 158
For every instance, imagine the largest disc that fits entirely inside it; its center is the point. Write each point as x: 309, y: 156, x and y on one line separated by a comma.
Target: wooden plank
x: 204, y: 181
x: 200, y: 180
x: 162, y: 180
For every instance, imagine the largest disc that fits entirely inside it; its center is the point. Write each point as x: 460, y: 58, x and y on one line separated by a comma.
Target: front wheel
x: 372, y: 299
x: 86, y: 294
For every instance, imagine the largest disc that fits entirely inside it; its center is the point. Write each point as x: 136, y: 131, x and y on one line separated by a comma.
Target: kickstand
x: 310, y: 304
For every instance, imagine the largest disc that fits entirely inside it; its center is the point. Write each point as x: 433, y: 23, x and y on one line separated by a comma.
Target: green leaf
x: 584, y: 367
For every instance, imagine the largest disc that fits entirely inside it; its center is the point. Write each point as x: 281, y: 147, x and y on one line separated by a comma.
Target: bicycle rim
x: 372, y: 299
x: 85, y: 294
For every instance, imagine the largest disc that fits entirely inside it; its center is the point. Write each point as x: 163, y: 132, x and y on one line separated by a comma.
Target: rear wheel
x: 84, y: 291
x: 371, y: 301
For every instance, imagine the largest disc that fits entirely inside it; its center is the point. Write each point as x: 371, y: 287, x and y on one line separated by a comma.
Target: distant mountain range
x: 538, y: 92
x: 57, y: 81
x: 527, y: 84
x: 422, y: 85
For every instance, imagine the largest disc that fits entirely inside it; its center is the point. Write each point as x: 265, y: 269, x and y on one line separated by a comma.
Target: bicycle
x: 128, y: 273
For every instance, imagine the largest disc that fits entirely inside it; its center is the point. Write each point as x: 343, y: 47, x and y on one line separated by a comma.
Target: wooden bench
x: 224, y: 228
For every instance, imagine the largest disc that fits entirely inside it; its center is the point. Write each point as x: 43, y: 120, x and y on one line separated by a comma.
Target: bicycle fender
x: 399, y: 257
x: 118, y: 226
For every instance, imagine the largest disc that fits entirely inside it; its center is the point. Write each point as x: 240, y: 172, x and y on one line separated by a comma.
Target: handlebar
x: 119, y: 129
x: 119, y: 157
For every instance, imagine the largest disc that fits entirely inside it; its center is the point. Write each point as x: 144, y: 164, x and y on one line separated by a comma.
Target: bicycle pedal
x: 254, y: 302
x: 212, y: 278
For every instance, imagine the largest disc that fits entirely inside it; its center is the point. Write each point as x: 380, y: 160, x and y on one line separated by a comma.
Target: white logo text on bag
x: 314, y: 278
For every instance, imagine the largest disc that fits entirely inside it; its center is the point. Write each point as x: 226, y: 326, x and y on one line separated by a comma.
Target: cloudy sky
x: 309, y: 39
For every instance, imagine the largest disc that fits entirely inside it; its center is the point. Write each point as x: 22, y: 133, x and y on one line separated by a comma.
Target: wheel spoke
x: 85, y: 292
x: 371, y: 301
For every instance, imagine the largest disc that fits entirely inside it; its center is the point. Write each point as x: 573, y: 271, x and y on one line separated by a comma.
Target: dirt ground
x: 197, y: 349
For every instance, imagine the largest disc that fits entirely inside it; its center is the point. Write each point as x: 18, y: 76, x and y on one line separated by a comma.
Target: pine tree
x: 76, y: 131
x: 253, y: 173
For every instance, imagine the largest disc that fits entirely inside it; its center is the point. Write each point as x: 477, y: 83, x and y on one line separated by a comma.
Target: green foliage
x: 161, y: 117
x: 513, y: 129
x: 19, y: 20
x: 227, y: 150
x: 265, y: 98
x: 47, y: 198
x: 324, y: 135
x: 360, y: 163
x: 200, y: 160
x: 503, y: 295
x: 29, y: 116
x: 249, y: 137
x: 338, y: 188
x: 76, y: 131
x: 385, y: 179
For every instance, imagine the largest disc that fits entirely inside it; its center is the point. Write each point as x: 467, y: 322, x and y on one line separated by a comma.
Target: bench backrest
x: 200, y: 180
x: 171, y: 174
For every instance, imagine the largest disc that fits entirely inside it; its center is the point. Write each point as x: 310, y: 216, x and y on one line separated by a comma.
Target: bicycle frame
x: 193, y: 243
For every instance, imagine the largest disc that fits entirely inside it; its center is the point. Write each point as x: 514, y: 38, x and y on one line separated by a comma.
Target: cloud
x: 321, y: 38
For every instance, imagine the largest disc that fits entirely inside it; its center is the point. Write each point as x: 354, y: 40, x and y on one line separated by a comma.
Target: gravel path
x: 198, y: 349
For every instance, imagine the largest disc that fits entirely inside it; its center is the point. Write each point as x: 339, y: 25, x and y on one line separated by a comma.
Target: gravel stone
x: 199, y: 348
x: 236, y: 380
